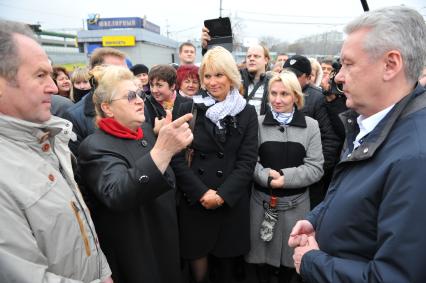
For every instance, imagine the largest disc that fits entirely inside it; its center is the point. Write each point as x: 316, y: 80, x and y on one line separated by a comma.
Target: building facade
x: 138, y: 38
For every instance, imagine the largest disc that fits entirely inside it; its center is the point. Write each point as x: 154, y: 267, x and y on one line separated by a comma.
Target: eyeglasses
x: 131, y: 95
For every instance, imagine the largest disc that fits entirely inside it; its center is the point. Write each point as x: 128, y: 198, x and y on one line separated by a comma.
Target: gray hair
x: 9, y: 57
x: 395, y: 28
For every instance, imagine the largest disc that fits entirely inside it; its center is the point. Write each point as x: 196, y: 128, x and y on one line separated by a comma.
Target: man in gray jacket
x: 46, y: 232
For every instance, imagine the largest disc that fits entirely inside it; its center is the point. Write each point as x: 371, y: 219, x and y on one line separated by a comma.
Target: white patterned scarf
x: 283, y: 118
x: 233, y: 104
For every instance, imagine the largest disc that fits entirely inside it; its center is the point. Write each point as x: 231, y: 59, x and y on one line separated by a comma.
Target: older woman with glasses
x: 128, y: 184
x: 215, y: 185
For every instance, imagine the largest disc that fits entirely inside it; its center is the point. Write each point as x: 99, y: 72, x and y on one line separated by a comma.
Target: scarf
x: 207, y: 100
x: 146, y: 89
x: 79, y: 93
x: 233, y: 104
x: 283, y: 118
x: 114, y: 128
x: 168, y: 105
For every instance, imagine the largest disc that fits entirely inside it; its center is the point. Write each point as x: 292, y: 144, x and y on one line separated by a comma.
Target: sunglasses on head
x: 131, y: 95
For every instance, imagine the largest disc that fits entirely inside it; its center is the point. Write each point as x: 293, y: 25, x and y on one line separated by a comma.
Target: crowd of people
x: 294, y: 171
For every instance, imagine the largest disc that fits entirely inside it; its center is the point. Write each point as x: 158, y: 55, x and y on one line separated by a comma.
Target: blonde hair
x: 290, y: 80
x: 316, y: 67
x: 267, y: 56
x: 220, y: 60
x: 80, y: 74
x: 108, y: 78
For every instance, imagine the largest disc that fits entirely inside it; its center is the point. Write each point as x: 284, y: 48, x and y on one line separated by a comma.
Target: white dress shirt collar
x: 366, y: 125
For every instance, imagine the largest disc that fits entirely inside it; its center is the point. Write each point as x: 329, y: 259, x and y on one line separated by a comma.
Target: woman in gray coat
x: 290, y: 160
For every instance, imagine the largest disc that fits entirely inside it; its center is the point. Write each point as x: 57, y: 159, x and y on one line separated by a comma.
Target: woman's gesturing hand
x: 172, y: 138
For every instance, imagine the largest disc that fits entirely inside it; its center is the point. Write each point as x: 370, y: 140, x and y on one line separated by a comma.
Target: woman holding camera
x: 215, y: 182
x: 128, y: 184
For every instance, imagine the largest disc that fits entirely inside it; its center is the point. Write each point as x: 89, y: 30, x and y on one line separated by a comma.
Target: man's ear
x: 106, y: 108
x: 5, y: 84
x: 2, y: 86
x: 393, y: 64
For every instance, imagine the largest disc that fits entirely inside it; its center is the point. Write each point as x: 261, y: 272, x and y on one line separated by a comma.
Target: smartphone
x: 220, y: 32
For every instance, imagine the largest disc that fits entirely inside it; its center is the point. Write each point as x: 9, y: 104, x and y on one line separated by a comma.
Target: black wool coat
x: 133, y: 207
x: 226, y: 166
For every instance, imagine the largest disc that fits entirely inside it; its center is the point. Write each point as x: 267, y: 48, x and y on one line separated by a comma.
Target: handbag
x: 270, y: 218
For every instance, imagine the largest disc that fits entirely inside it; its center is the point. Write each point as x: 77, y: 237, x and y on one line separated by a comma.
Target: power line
x: 292, y: 23
x: 269, y: 22
x: 290, y: 16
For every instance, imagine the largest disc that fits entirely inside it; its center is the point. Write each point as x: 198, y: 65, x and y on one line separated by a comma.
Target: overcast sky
x: 183, y: 19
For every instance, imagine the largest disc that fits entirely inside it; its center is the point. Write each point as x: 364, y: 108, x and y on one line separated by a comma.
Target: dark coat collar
x: 249, y: 77
x: 89, y: 106
x: 202, y: 106
x: 297, y: 121
x: 308, y: 88
x: 380, y: 133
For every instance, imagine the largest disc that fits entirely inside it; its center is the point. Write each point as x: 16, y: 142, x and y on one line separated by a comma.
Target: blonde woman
x: 215, y: 186
x: 290, y: 160
x: 80, y: 80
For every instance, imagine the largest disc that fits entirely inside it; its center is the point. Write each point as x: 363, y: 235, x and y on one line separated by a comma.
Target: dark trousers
x: 268, y: 274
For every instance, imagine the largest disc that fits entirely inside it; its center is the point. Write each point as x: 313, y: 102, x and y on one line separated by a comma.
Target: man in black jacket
x: 254, y: 78
x: 315, y: 108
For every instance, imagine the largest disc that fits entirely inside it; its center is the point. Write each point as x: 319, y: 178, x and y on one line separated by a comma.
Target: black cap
x: 139, y: 69
x: 300, y: 64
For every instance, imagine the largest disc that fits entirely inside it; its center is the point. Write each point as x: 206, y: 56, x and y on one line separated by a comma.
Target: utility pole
x: 220, y: 9
x: 167, y: 28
